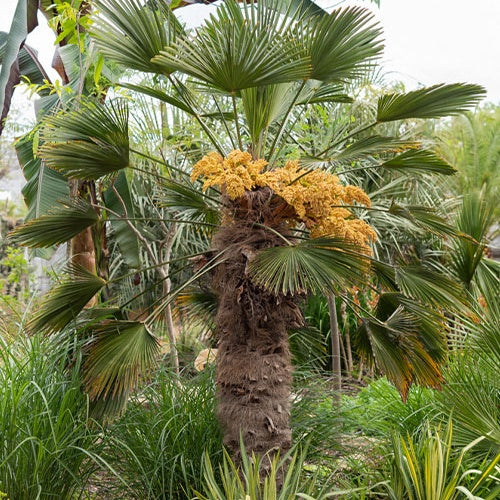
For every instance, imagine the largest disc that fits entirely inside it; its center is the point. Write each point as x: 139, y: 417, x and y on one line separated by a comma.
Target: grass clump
x: 47, y: 448
x: 159, y: 444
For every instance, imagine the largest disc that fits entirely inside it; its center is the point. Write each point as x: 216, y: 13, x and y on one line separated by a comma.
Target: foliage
x: 159, y: 444
x: 378, y: 409
x: 427, y: 469
x: 48, y: 447
x: 246, y: 482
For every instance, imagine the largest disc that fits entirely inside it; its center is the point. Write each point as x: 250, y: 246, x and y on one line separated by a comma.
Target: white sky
x: 427, y: 41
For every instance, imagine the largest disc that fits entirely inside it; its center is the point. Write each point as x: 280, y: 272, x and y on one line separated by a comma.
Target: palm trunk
x: 253, y: 359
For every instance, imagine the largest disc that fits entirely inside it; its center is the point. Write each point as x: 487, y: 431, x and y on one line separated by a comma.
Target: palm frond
x: 426, y: 218
x: 119, y: 353
x: 421, y: 161
x: 405, y: 341
x: 43, y: 185
x: 325, y: 92
x: 59, y: 225
x: 264, y: 104
x: 430, y: 287
x: 88, y: 142
x: 238, y: 48
x: 66, y: 300
x: 429, y: 102
x: 158, y: 94
x: 318, y: 265
x: 131, y: 33
x: 340, y: 45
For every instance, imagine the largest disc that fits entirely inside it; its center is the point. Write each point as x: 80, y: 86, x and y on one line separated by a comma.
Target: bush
x: 47, y: 449
x: 378, y: 409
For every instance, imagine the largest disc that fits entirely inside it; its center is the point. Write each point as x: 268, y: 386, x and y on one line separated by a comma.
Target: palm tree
x: 287, y: 226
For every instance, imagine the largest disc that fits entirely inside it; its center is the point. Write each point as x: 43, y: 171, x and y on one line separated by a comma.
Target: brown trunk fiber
x: 253, y: 359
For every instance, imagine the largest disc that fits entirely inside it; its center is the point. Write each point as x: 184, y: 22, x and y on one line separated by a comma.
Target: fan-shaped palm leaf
x: 341, y: 45
x: 88, y: 142
x: 66, y: 300
x: 131, y: 33
x: 318, y: 265
x: 405, y: 341
x: 420, y: 160
x: 429, y: 102
x: 57, y: 226
x: 238, y: 48
x: 119, y: 353
x: 44, y: 186
x: 430, y: 286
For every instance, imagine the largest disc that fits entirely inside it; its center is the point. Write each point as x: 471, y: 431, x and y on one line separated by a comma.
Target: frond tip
x: 66, y: 300
x: 59, y: 225
x: 429, y: 102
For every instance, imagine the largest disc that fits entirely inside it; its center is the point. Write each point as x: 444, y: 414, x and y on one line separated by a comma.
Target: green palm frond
x: 262, y: 105
x: 239, y: 47
x: 421, y: 161
x: 189, y: 202
x: 160, y: 95
x: 325, y: 92
x: 426, y: 218
x: 406, y: 342
x: 88, y: 142
x: 119, y: 354
x: 430, y: 287
x: 340, y: 45
x: 123, y: 204
x: 59, y: 225
x: 131, y: 33
x: 474, y: 219
x: 429, y: 102
x: 66, y: 300
x: 318, y: 265
x: 371, y: 145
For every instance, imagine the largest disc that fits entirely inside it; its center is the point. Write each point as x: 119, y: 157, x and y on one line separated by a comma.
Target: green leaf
x: 340, y: 45
x: 420, y: 160
x: 160, y: 95
x: 125, y: 236
x: 23, y: 22
x: 405, y: 341
x: 57, y: 226
x: 238, y: 48
x: 66, y: 300
x: 88, y: 142
x: 44, y: 186
x: 131, y: 34
x: 429, y: 102
x: 430, y: 287
x: 318, y: 265
x: 119, y: 354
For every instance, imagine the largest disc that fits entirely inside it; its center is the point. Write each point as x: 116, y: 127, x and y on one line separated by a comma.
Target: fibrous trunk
x: 253, y: 360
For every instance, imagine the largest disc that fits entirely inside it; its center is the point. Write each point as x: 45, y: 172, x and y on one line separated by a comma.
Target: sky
x: 426, y: 41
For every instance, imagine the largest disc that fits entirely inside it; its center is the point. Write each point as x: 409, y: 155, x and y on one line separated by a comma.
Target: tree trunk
x: 334, y: 336
x: 253, y: 358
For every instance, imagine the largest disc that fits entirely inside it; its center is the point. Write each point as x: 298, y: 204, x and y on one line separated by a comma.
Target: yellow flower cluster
x: 317, y: 197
